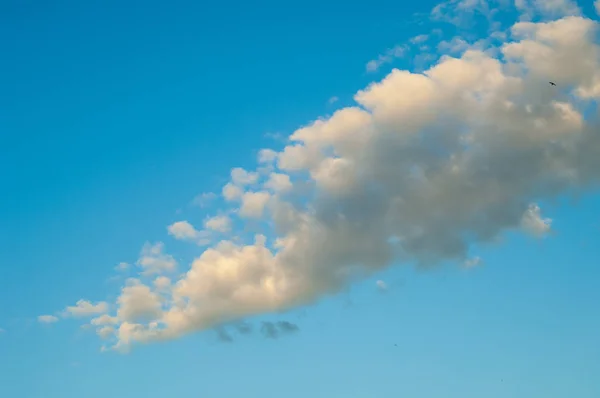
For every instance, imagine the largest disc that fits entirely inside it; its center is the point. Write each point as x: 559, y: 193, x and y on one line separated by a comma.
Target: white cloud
x: 461, y: 12
x: 335, y: 175
x: 297, y: 158
x: 104, y: 320
x: 253, y: 204
x: 105, y: 332
x: 335, y: 99
x: 153, y: 260
x: 267, y: 156
x: 558, y: 7
x: 162, y: 283
x: 548, y: 50
x: 279, y: 182
x: 547, y: 8
x: 424, y: 168
x: 138, y: 302
x: 386, y: 58
x: 455, y: 46
x: 381, y: 285
x: 128, y: 333
x: 47, y: 319
x: 232, y: 192
x: 122, y: 266
x: 533, y: 223
x: 597, y: 5
x: 84, y: 308
x: 419, y: 39
x: 472, y: 262
x: 182, y: 230
x: 242, y: 177
x: 218, y: 223
x: 498, y: 35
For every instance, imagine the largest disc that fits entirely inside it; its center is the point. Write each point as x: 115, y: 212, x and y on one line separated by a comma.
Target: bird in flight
x: 552, y: 83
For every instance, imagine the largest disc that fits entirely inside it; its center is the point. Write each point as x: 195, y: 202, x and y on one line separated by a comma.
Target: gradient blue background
x: 115, y: 114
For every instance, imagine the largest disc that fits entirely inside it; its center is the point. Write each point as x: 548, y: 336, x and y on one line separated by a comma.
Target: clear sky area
x: 314, y: 199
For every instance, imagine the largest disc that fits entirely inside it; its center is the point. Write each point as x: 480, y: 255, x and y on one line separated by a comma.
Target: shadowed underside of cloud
x: 422, y: 168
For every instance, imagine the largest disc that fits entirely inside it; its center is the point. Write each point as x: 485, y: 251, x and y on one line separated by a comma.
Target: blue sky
x: 116, y: 115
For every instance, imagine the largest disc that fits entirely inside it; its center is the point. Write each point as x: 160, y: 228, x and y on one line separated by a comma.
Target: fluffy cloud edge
x: 236, y: 280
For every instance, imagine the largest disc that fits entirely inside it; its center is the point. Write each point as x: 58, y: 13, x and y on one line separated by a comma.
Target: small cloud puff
x: 47, y: 319
x: 153, y: 259
x: 381, y: 286
x: 84, y: 308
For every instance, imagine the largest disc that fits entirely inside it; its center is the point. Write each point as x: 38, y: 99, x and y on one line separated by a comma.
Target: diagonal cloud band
x: 422, y: 168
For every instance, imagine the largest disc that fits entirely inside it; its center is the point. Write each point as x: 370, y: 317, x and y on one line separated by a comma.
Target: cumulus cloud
x: 533, y: 223
x: 84, y: 308
x: 387, y: 57
x: 253, y: 204
x: 153, y: 260
x: 138, y: 302
x: 422, y: 169
x: 381, y: 286
x: 279, y: 182
x: 47, y: 319
x: 462, y: 12
x: 547, y: 8
x: 162, y: 283
x: 105, y: 332
x: 456, y: 45
x: 232, y: 192
x: 218, y: 223
x: 105, y: 325
x: 419, y: 39
x: 122, y: 266
x: 267, y: 156
x: 472, y: 262
x: 182, y: 230
x: 104, y: 320
x: 241, y: 177
x: 548, y: 51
